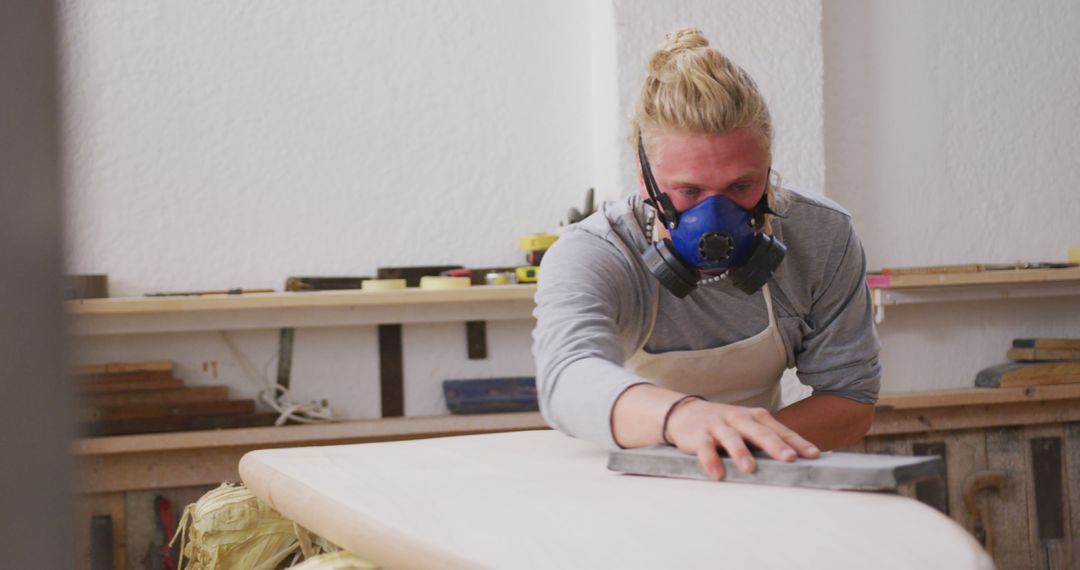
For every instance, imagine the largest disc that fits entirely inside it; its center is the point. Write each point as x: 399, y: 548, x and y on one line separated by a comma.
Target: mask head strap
x: 665, y: 210
x: 757, y: 213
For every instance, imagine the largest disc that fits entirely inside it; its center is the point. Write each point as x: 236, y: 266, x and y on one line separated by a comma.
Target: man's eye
x: 741, y: 188
x: 689, y: 192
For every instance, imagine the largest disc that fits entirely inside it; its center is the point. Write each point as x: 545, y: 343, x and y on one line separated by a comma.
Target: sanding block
x: 833, y: 470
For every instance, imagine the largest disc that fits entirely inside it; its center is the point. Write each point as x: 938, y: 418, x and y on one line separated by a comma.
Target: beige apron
x: 745, y: 373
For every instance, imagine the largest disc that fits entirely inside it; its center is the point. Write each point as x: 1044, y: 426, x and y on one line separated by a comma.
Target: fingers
x: 732, y: 441
x: 752, y: 427
x: 710, y: 459
x: 731, y: 428
x: 800, y: 444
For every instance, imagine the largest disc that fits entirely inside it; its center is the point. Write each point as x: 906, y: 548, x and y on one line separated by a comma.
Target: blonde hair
x: 692, y: 88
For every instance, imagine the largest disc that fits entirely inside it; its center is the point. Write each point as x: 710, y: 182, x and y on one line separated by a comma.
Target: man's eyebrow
x: 748, y: 174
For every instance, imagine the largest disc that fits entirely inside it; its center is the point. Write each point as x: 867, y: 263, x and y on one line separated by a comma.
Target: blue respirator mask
x: 714, y: 235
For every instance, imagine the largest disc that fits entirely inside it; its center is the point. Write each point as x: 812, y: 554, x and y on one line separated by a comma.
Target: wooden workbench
x: 981, y: 432
x: 1012, y: 461
x: 541, y: 499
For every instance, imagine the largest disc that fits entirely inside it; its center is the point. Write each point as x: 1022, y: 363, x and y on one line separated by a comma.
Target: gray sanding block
x: 833, y: 470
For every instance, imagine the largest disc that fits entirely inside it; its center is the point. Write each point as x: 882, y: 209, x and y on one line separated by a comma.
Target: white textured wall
x: 224, y: 144
x: 951, y: 135
x: 216, y: 145
x: 953, y: 127
x: 777, y: 42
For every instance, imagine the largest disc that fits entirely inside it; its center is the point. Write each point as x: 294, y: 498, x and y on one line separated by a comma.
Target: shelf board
x: 330, y: 299
x: 299, y: 309
x: 988, y: 277
x: 976, y: 397
x: 293, y: 435
x: 185, y: 459
x: 974, y: 286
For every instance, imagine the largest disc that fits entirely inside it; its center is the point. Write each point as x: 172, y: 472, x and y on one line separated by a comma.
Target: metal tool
x: 833, y: 470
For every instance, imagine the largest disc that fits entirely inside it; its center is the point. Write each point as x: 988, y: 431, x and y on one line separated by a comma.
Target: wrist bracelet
x: 671, y: 410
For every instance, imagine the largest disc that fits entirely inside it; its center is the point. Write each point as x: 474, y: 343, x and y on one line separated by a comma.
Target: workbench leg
x: 1047, y: 500
x: 1072, y: 486
x: 109, y: 505
x: 966, y: 462
x: 1007, y: 527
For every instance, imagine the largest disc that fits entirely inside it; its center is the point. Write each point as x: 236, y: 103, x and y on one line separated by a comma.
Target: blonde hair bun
x: 686, y: 38
x: 694, y: 89
x: 675, y: 42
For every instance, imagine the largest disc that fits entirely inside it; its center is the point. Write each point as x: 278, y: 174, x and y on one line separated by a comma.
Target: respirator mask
x: 714, y: 235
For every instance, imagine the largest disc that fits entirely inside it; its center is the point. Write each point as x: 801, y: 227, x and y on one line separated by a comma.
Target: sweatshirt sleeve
x: 585, y: 288
x: 839, y: 354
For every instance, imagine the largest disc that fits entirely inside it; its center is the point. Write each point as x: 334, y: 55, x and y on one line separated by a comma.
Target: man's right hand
x: 702, y: 428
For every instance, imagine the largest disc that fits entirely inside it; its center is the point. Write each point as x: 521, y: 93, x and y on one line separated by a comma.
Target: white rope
x: 276, y: 396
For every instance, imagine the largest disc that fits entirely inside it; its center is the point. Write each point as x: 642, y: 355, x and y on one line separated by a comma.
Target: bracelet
x: 671, y: 410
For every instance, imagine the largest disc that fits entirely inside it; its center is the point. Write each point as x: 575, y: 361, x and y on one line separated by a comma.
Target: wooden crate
x: 1012, y: 465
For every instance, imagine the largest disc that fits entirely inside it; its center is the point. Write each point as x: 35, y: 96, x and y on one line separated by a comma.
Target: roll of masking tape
x: 441, y: 282
x: 382, y: 284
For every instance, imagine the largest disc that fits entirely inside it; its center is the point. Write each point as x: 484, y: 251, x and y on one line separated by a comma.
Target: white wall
x: 951, y: 135
x: 778, y: 43
x: 217, y: 145
x: 214, y: 145
x: 952, y: 127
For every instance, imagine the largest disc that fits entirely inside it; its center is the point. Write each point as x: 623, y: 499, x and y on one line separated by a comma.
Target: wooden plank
x: 985, y: 278
x: 121, y: 367
x: 177, y: 423
x: 1048, y: 343
x: 391, y: 371
x: 932, y: 269
x: 1035, y: 354
x: 1046, y: 495
x: 156, y: 410
x: 966, y: 461
x: 175, y: 396
x: 113, y: 387
x: 1020, y: 374
x: 123, y: 377
x: 1007, y: 528
x: 970, y: 417
x: 109, y: 504
x: 1072, y: 489
x: 971, y: 396
x: 166, y: 460
x: 314, y: 434
x: 307, y: 299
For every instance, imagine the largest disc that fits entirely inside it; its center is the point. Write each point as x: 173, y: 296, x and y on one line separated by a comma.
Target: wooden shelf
x: 306, y: 309
x: 976, y: 397
x: 975, y: 286
x: 166, y: 460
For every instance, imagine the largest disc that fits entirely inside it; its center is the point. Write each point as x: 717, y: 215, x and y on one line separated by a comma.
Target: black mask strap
x: 665, y: 210
x: 757, y: 213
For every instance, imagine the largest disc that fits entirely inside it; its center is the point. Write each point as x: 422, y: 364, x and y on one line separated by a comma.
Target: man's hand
x: 700, y: 427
